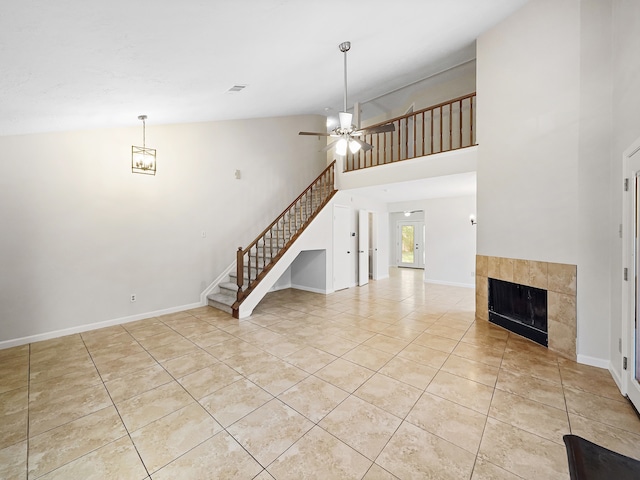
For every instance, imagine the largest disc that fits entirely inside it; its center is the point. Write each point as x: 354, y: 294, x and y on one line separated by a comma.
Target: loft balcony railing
x: 440, y: 128
x: 255, y: 261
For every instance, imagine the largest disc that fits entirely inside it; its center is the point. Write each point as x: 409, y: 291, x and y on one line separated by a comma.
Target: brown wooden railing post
x: 239, y: 273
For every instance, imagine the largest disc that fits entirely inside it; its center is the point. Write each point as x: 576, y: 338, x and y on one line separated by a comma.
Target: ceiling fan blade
x: 345, y: 119
x: 363, y: 145
x: 389, y: 127
x: 329, y: 146
x: 315, y: 134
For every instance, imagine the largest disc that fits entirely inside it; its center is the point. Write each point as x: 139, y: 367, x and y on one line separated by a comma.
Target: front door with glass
x: 409, y: 242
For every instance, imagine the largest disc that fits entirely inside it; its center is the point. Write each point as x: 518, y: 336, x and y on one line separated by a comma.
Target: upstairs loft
x: 439, y: 128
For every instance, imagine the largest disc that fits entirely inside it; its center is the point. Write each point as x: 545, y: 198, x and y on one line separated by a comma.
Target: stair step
x: 221, y: 302
x: 228, y: 288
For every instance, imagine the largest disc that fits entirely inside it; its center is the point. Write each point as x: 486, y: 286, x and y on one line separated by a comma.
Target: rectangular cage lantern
x: 143, y: 160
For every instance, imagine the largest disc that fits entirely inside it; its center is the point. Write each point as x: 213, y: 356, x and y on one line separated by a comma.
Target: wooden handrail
x: 457, y: 132
x: 284, y: 212
x: 423, y: 110
x: 303, y: 212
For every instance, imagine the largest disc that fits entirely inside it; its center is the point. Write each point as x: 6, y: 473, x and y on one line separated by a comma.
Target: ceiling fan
x: 346, y: 133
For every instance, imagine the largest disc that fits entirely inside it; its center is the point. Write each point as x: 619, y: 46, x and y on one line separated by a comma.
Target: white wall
x: 450, y: 239
x: 441, y: 164
x: 596, y: 230
x: 309, y: 271
x: 81, y: 232
x: 450, y: 243
x: 552, y: 125
x: 528, y: 83
x: 452, y: 83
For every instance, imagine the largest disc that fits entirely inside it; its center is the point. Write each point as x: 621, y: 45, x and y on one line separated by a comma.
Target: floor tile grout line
x: 118, y: 412
x: 195, y: 401
x: 484, y: 428
x: 88, y: 414
x: 261, y: 346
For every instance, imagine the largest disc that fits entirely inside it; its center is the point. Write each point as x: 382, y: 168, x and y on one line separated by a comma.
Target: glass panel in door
x: 408, y: 242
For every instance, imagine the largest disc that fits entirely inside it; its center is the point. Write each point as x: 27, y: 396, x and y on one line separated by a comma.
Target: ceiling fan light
x: 354, y: 147
x: 341, y: 147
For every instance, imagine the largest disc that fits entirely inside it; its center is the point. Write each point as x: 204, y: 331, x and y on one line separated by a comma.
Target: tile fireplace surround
x: 559, y: 279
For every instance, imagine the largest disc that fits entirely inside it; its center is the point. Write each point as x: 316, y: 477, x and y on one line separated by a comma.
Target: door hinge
x: 626, y: 184
x: 620, y: 231
x: 624, y: 363
x: 626, y: 274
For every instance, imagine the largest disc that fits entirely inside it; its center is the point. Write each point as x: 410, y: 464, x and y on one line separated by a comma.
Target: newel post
x: 239, y: 272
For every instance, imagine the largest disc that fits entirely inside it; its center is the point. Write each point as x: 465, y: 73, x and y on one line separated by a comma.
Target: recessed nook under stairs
x: 557, y: 279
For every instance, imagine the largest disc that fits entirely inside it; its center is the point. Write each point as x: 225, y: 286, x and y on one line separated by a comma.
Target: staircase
x: 254, y: 262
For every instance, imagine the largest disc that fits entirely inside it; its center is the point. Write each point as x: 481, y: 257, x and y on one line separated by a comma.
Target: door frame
x: 419, y: 224
x: 630, y: 261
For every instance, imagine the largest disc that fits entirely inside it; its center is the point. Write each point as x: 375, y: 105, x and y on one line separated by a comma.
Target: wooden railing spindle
x: 451, y: 126
x: 431, y: 147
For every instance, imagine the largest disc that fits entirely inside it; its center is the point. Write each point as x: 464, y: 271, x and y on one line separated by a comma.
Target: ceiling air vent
x: 236, y: 88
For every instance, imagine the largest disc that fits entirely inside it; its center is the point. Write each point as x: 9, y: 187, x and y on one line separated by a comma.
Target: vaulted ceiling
x: 78, y: 64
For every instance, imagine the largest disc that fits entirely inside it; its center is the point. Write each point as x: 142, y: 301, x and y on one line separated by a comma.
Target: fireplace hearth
x: 519, y: 308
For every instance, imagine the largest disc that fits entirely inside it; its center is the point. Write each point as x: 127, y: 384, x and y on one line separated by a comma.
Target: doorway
x: 631, y: 288
x: 342, y: 265
x: 410, y: 244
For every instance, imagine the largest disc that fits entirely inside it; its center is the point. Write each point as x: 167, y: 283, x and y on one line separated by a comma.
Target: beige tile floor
x: 391, y: 380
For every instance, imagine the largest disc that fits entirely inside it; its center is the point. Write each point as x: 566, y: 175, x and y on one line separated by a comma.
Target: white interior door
x: 363, y: 247
x: 341, y: 247
x: 631, y: 246
x: 410, y: 240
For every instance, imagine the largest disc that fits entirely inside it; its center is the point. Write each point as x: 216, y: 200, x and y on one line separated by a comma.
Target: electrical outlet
x: 133, y: 297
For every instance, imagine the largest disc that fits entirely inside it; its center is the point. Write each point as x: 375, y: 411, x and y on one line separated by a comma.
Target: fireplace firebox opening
x: 520, y: 309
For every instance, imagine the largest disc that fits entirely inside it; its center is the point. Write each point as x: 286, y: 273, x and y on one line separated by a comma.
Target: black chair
x: 588, y: 461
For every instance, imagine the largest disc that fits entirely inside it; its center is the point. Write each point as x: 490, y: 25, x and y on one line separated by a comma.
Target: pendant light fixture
x: 143, y: 159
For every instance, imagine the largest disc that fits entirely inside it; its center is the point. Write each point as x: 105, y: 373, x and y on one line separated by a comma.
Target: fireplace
x: 559, y: 280
x: 519, y: 308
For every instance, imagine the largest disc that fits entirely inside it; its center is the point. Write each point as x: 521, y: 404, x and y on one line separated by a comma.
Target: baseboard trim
x: 593, y: 361
x: 309, y: 289
x: 450, y: 284
x: 277, y: 288
x: 16, y: 342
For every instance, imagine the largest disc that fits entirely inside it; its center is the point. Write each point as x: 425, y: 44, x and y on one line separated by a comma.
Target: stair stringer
x: 318, y: 235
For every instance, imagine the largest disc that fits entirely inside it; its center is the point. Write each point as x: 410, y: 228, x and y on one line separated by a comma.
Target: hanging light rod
x: 143, y: 159
x: 344, y: 48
